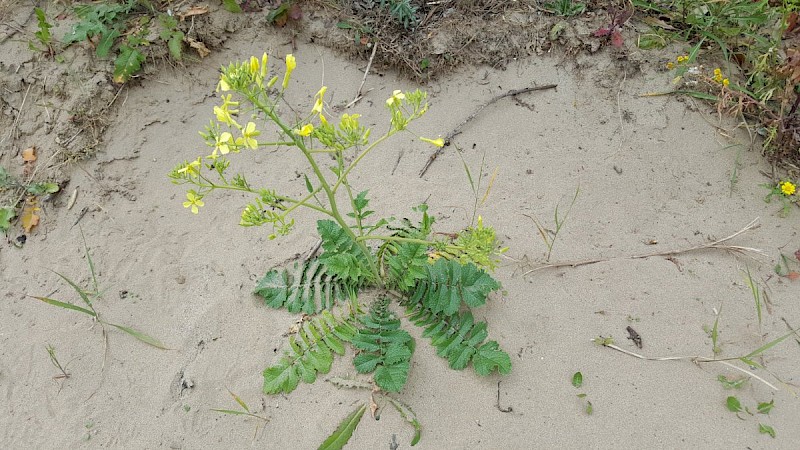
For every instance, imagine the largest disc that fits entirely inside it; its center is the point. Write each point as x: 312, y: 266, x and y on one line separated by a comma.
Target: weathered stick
x: 719, y: 244
x: 457, y: 130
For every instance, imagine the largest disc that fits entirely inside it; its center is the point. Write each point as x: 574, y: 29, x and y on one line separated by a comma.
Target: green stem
x: 330, y: 192
x: 373, y: 237
x: 343, y: 175
x: 295, y: 203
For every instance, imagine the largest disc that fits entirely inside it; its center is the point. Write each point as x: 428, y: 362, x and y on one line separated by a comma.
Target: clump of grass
x: 244, y: 411
x: 89, y: 296
x: 51, y: 351
x: 752, y: 37
x: 549, y: 236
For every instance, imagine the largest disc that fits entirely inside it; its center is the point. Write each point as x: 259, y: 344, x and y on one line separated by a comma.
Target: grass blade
x: 65, y: 305
x: 408, y: 414
x: 78, y: 289
x: 89, y: 260
x: 715, y: 332
x: 230, y: 411
x: 147, y: 339
x: 756, y: 296
x: 339, y: 438
x: 489, y: 187
x: 239, y: 401
x: 768, y: 345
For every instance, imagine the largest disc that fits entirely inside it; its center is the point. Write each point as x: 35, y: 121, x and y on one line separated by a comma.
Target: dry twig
x: 458, y: 129
x: 719, y: 244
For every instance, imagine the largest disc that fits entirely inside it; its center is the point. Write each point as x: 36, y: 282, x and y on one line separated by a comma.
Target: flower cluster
x: 246, y: 92
x: 719, y: 78
x: 682, y: 59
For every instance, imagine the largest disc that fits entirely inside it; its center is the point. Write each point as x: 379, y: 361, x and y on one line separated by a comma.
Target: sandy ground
x: 654, y: 175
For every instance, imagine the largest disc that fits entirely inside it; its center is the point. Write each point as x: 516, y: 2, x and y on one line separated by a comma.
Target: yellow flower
x: 305, y: 131
x: 264, y: 59
x: 223, y: 143
x: 788, y: 188
x: 291, y: 63
x: 193, y: 201
x: 322, y: 119
x: 223, y: 84
x: 718, y: 75
x: 249, y: 133
x: 395, y: 99
x: 224, y: 115
x: 670, y: 65
x: 253, y: 65
x: 192, y: 168
x: 726, y: 82
x: 317, y: 109
x: 437, y: 142
x: 226, y: 102
x: 682, y: 59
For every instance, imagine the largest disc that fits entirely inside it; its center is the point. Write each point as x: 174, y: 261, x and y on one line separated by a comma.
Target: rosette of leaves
x: 439, y: 295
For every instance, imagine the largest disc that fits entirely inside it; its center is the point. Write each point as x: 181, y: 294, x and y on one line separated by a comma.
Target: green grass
x: 749, y: 36
x: 89, y: 296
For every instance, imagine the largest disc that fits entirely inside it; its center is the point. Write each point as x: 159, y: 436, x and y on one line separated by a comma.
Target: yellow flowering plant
x: 786, y: 191
x: 438, y: 278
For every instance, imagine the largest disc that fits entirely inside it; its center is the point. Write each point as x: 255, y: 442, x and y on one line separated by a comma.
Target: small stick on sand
x: 364, y: 80
x: 457, y: 130
x: 719, y: 244
x: 695, y: 359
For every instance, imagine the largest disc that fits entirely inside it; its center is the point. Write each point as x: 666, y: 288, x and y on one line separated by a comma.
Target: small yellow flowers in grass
x: 193, y: 201
x: 437, y: 142
x: 305, y: 131
x: 396, y: 98
x: 670, y: 65
x: 718, y: 75
x: 291, y: 63
x: 249, y: 133
x: 726, y: 82
x: 788, y: 188
x: 682, y: 59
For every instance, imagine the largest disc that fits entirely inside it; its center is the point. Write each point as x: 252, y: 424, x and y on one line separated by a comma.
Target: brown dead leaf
x: 29, y: 217
x: 193, y: 11
x: 792, y: 276
x: 29, y: 154
x: 201, y: 48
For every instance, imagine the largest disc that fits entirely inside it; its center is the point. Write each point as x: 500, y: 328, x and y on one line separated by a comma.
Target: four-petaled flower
x: 682, y: 58
x: 249, y: 133
x: 395, y: 99
x: 223, y: 143
x: 193, y: 201
x: 192, y: 168
x: 788, y: 188
x: 223, y: 84
x: 224, y: 115
x: 437, y: 142
x: 726, y: 82
x: 291, y: 63
x: 305, y: 131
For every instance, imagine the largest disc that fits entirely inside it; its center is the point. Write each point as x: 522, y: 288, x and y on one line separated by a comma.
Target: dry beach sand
x: 654, y: 176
